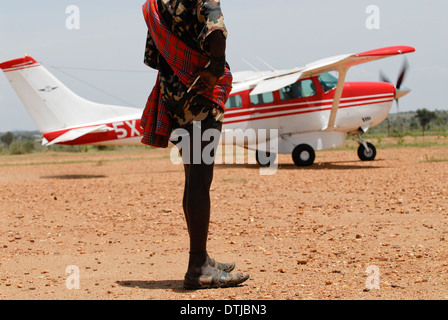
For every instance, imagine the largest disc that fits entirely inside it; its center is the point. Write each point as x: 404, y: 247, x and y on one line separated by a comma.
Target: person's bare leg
x: 196, y: 204
x: 203, y: 272
x: 197, y: 207
x: 228, y: 267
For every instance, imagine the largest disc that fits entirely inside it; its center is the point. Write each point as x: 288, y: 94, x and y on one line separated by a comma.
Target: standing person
x: 186, y: 43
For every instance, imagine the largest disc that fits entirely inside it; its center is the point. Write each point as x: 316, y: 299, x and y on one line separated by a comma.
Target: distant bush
x: 21, y: 147
x: 7, y: 138
x: 105, y: 148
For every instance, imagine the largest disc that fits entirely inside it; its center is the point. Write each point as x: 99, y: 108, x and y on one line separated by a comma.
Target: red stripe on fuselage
x: 300, y: 112
x: 301, y: 106
x: 355, y: 94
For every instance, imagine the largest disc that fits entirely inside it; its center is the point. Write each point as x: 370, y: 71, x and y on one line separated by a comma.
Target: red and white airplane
x: 311, y: 108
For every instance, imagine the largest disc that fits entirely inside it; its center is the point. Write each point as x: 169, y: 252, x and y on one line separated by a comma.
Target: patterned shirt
x: 192, y: 21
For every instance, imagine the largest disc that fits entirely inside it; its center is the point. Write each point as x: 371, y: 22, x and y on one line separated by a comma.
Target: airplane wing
x: 341, y: 64
x: 276, y: 82
x: 346, y: 61
x: 75, y: 134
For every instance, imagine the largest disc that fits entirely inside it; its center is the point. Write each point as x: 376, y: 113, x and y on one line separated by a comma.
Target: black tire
x: 264, y: 158
x: 303, y: 155
x: 365, y: 155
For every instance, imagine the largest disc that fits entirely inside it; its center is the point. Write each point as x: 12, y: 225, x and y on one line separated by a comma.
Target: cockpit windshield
x: 328, y: 80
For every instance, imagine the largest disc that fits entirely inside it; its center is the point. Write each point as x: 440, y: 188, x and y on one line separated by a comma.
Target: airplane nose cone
x: 400, y: 93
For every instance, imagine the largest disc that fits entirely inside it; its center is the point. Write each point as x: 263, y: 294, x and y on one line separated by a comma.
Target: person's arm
x: 213, y: 42
x: 216, y: 43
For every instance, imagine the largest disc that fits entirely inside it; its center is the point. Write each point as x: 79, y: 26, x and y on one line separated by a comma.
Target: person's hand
x: 206, y: 82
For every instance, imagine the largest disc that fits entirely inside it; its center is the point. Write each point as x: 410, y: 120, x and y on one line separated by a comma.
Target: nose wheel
x: 366, y: 150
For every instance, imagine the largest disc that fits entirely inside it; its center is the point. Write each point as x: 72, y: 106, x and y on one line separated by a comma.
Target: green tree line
x: 17, y: 143
x: 25, y: 142
x: 419, y: 123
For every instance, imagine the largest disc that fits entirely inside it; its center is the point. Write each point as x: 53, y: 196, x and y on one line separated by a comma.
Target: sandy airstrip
x: 303, y: 233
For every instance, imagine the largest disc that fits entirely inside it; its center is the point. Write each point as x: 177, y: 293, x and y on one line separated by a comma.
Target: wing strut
x: 337, y: 97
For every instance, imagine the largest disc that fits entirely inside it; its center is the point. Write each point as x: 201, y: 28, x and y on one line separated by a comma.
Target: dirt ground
x: 113, y: 222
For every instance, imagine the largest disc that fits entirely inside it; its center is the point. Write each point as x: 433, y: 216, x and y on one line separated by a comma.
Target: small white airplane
x: 311, y: 108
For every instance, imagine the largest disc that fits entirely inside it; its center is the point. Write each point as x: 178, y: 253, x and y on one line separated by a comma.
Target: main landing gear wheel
x: 265, y: 158
x: 367, y: 154
x: 303, y: 155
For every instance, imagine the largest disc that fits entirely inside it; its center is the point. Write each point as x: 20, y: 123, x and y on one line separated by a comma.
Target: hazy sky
x: 284, y: 33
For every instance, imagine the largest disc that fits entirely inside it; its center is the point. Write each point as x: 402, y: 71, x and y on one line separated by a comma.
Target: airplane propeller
x: 399, y: 92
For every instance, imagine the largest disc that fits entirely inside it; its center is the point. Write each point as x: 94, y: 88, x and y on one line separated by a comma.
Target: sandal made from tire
x: 226, y: 267
x: 220, y: 279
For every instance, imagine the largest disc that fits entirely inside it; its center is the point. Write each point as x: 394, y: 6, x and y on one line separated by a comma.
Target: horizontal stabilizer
x: 75, y: 134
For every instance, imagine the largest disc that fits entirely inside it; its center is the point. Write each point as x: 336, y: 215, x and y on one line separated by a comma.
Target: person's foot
x: 227, y: 267
x: 214, y: 278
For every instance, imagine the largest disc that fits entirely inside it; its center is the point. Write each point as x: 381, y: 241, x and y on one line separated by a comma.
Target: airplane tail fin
x: 50, y: 103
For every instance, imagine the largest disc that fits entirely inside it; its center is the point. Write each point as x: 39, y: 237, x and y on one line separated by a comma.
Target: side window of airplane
x: 263, y: 98
x: 301, y: 89
x: 328, y: 81
x: 234, y: 102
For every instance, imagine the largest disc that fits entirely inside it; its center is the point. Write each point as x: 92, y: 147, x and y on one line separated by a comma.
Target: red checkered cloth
x: 185, y: 61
